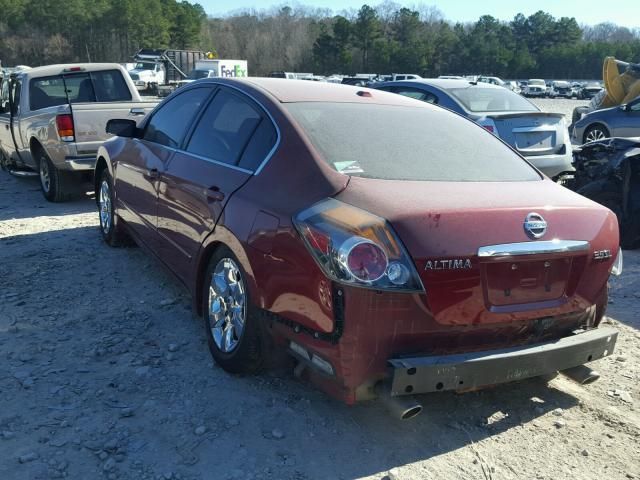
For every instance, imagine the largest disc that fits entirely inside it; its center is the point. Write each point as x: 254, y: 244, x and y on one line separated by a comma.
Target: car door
x: 7, y: 129
x: 226, y: 145
x: 628, y: 121
x: 144, y: 160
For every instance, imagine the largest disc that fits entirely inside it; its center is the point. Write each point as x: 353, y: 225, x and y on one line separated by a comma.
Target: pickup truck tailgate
x: 90, y: 120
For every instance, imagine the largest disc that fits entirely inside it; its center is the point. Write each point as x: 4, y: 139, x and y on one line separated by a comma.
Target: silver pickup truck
x: 53, y: 118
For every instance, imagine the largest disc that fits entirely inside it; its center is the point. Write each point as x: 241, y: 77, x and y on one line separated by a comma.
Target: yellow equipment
x: 621, y: 81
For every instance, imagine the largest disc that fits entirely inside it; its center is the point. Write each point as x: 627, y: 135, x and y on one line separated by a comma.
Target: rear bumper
x: 490, y: 367
x: 553, y: 165
x: 80, y: 162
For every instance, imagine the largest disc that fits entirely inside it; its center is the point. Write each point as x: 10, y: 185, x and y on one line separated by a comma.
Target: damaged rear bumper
x: 490, y: 367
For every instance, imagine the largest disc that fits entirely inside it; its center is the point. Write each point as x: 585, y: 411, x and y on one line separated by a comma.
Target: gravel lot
x: 106, y: 374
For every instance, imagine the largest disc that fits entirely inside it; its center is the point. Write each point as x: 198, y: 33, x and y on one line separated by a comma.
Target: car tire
x: 595, y: 132
x: 110, y: 227
x: 54, y: 183
x: 232, y: 322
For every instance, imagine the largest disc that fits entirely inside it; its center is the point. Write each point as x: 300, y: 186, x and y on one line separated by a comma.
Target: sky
x: 590, y: 12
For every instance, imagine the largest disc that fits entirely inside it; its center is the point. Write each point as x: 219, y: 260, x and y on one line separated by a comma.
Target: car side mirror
x: 625, y: 107
x: 4, y: 107
x: 122, y: 128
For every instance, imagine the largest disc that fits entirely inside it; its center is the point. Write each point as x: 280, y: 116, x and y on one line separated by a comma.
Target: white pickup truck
x: 53, y: 119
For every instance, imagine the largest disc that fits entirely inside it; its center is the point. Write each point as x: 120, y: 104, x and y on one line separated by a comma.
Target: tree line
x: 386, y: 38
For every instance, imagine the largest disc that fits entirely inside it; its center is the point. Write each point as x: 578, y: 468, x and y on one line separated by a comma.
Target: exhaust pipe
x: 403, y: 408
x: 581, y: 374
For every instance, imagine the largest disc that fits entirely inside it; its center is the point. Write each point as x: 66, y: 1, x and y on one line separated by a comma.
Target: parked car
x: 560, y: 89
x: 575, y: 89
x: 620, y: 121
x: 514, y: 87
x: 493, y: 81
x: 390, y: 246
x: 542, y: 138
x: 53, y: 118
x: 536, y: 87
x: 356, y: 81
x: 589, y: 91
x: 608, y: 172
x: 404, y: 76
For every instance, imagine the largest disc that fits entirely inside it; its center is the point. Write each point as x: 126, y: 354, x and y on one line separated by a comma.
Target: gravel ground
x: 106, y: 374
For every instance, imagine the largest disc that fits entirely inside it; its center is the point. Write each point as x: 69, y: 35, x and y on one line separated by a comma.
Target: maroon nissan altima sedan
x: 391, y: 246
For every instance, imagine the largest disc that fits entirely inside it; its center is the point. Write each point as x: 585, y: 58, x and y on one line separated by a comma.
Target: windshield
x: 482, y: 99
x: 561, y: 84
x: 145, y: 66
x: 196, y: 74
x: 537, y: 82
x: 407, y: 143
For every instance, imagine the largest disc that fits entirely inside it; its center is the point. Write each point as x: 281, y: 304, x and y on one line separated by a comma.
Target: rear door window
x: 171, y: 121
x: 417, y: 94
x: 260, y: 145
x: 225, y: 128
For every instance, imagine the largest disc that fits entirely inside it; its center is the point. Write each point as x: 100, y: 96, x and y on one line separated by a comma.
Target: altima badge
x: 452, y: 264
x: 534, y: 225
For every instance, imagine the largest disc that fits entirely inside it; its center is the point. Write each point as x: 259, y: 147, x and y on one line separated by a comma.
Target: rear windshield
x: 424, y: 143
x: 102, y: 86
x: 197, y: 74
x: 482, y: 99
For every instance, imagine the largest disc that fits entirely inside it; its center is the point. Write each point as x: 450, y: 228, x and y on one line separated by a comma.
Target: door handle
x: 214, y: 194
x: 136, y: 111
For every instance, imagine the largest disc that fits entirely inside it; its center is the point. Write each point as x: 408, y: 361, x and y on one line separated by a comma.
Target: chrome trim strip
x: 533, y: 248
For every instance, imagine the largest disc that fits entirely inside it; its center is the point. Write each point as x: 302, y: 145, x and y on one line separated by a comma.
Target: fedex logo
x: 235, y: 71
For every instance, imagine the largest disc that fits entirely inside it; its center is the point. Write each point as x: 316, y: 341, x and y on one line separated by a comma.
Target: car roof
x: 289, y: 91
x: 57, y: 69
x: 442, y: 83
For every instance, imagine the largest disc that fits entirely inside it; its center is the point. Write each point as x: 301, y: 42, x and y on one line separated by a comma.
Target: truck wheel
x: 232, y: 322
x: 53, y: 182
x: 110, y: 229
x: 595, y: 132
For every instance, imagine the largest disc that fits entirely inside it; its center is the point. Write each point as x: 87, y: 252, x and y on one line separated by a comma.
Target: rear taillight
x: 355, y: 247
x: 64, y: 122
x: 488, y: 124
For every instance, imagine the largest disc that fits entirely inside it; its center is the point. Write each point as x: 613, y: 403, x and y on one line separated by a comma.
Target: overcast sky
x: 622, y: 12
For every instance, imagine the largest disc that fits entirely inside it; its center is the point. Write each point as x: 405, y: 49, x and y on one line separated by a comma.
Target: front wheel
x: 232, y: 322
x: 111, y: 232
x: 595, y: 132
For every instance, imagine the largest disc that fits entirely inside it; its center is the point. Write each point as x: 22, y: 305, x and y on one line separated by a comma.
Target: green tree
x: 366, y: 30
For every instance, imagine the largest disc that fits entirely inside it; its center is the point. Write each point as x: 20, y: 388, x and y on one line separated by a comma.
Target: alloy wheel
x: 105, y: 206
x: 595, y: 134
x: 45, y: 178
x: 227, y: 305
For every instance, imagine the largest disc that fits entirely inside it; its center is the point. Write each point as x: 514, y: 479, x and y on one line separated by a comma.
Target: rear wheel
x: 595, y: 132
x: 232, y: 322
x: 55, y: 183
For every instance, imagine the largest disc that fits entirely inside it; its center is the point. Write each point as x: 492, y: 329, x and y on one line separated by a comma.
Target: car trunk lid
x: 531, y: 133
x: 459, y: 234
